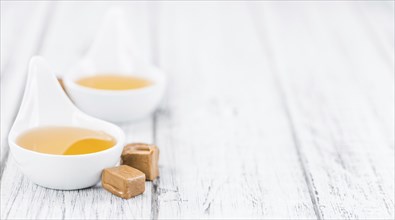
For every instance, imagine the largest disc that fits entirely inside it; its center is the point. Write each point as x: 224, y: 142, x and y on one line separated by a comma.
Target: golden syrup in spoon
x: 65, y: 140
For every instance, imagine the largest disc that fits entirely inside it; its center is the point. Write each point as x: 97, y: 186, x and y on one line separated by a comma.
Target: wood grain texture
x: 274, y: 109
x: 227, y: 148
x: 335, y: 104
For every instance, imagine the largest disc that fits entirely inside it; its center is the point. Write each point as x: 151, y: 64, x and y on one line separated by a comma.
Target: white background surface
x: 274, y: 109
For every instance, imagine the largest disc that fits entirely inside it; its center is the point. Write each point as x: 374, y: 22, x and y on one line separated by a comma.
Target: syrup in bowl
x: 114, y: 82
x: 65, y: 140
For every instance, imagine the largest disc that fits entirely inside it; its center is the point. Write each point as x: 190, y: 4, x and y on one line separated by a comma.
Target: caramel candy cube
x: 123, y: 181
x: 143, y: 157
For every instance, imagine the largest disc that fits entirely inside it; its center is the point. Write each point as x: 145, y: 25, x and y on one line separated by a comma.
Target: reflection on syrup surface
x: 113, y: 82
x: 65, y: 140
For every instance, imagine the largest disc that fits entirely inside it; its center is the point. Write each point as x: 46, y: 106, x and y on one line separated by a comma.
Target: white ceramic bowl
x: 45, y: 104
x: 113, y: 51
x: 119, y: 105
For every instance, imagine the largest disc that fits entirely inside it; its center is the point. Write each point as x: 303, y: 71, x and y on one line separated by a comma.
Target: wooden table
x: 273, y: 109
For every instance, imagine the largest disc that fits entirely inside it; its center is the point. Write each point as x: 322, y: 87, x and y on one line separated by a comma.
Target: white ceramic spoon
x: 45, y: 104
x: 112, y: 52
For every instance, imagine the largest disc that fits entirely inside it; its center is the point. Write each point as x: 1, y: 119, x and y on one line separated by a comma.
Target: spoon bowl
x: 45, y: 104
x: 119, y: 105
x: 113, y: 53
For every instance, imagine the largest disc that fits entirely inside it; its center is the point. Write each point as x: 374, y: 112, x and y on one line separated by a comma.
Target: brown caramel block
x: 143, y: 157
x: 123, y: 181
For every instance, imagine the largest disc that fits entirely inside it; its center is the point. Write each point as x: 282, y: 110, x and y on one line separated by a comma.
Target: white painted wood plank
x: 227, y: 149
x: 339, y: 92
x: 66, y: 40
x: 13, y: 17
x: 378, y: 18
x: 370, y: 63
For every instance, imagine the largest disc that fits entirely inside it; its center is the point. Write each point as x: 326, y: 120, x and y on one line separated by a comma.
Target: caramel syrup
x: 65, y: 140
x: 114, y: 82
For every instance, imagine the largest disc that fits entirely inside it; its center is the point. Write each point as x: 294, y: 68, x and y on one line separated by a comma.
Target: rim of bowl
x: 119, y: 142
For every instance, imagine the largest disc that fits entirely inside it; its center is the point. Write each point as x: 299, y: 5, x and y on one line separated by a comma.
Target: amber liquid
x: 65, y: 140
x: 114, y: 82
